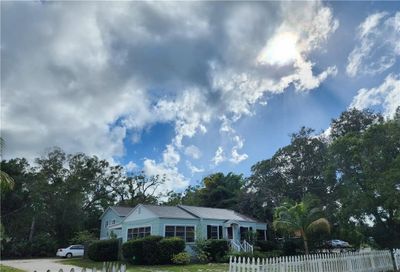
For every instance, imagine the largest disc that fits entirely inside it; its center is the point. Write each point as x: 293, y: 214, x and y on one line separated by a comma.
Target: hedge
x: 216, y: 249
x: 152, y: 250
x: 266, y: 245
x: 103, y: 250
x: 170, y: 247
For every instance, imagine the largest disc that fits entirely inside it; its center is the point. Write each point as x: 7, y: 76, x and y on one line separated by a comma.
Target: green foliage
x: 181, y: 258
x: 301, y: 219
x: 217, y: 190
x: 170, y: 247
x: 266, y: 245
x: 83, y: 237
x: 152, y: 250
x: 292, y: 247
x: 104, y: 250
x: 216, y: 249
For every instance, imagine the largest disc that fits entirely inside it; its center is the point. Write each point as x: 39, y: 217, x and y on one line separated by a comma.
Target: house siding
x: 109, y: 217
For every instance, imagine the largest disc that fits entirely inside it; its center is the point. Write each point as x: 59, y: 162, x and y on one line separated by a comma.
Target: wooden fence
x: 373, y: 261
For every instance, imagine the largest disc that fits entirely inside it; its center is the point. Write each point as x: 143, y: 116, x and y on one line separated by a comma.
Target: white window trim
x: 216, y: 225
x: 182, y: 225
x: 136, y: 227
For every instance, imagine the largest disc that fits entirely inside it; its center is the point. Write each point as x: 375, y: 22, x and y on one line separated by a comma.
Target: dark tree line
x: 354, y: 173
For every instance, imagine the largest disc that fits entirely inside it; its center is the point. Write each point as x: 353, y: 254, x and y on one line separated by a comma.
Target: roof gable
x: 118, y: 210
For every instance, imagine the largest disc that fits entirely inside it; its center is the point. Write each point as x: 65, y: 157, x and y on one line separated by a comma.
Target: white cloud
x: 387, y: 95
x: 83, y: 76
x: 236, y: 157
x: 378, y: 48
x: 219, y: 156
x: 131, y: 166
x: 193, y: 151
x: 193, y: 169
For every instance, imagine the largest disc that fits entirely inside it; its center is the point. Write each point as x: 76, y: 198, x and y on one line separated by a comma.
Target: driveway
x: 40, y: 265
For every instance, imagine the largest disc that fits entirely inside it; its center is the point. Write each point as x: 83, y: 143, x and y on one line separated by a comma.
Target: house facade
x: 187, y: 222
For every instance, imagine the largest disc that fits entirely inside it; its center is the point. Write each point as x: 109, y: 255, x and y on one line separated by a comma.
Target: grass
x: 157, y: 268
x: 4, y: 268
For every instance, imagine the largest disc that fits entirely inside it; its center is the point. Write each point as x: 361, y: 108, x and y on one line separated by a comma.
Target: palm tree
x: 300, y: 219
x: 6, y: 182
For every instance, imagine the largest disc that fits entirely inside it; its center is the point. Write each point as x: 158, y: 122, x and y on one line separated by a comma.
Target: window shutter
x: 208, y: 232
x: 220, y: 232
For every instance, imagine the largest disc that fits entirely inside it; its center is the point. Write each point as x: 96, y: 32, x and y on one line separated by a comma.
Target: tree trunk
x: 32, y: 229
x: 305, y: 241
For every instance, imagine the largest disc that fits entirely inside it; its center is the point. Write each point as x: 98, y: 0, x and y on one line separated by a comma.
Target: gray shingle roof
x: 122, y: 211
x: 169, y: 212
x: 214, y: 213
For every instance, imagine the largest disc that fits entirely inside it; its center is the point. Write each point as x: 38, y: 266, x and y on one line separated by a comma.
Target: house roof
x: 119, y: 210
x: 169, y: 211
x: 215, y: 213
x: 122, y: 211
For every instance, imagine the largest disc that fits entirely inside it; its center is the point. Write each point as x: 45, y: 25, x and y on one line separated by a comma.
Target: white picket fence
x: 396, y: 256
x: 373, y: 261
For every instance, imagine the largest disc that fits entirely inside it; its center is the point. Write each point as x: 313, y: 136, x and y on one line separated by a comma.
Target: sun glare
x: 280, y: 50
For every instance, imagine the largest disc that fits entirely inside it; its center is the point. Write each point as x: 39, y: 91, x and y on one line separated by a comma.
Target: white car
x: 71, y: 251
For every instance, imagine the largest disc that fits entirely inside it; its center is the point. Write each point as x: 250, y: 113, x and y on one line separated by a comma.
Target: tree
x: 367, y: 167
x: 6, y: 182
x: 293, y: 171
x: 301, y: 219
x: 353, y: 121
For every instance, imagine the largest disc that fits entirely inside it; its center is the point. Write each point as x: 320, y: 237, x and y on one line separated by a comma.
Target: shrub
x: 292, y: 247
x: 216, y: 249
x: 181, y: 258
x: 103, y: 250
x: 152, y: 250
x: 170, y: 247
x: 266, y: 245
x: 132, y: 251
x: 200, y: 248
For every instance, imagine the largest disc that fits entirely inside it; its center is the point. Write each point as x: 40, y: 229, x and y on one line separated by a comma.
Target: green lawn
x: 4, y: 268
x: 159, y: 268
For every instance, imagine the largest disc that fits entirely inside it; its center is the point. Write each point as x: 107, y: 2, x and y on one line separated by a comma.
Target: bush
x: 132, y: 251
x: 103, y: 250
x: 292, y: 247
x: 216, y: 249
x: 152, y: 250
x: 181, y: 258
x: 266, y: 245
x: 170, y: 247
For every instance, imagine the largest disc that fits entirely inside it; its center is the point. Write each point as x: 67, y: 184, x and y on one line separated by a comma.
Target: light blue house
x: 187, y: 222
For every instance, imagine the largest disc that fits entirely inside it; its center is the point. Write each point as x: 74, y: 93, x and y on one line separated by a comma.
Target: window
x: 106, y: 224
x: 186, y: 233
x: 113, y: 222
x: 214, y: 232
x: 230, y: 232
x: 136, y: 233
x: 261, y: 235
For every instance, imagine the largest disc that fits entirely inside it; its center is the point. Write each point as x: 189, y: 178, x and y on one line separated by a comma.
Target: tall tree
x: 367, y: 169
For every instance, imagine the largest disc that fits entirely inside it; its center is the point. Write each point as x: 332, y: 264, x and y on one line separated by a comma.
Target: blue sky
x: 186, y: 89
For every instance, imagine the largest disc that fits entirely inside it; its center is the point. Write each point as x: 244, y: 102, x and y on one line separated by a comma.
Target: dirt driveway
x: 40, y: 265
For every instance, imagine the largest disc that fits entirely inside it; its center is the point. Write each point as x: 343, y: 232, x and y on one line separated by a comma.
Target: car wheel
x: 69, y: 255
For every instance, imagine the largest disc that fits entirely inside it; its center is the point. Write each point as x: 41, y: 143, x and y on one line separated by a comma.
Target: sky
x: 186, y: 89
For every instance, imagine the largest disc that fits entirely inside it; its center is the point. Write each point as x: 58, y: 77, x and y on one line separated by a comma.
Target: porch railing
x: 246, y: 246
x: 235, y: 246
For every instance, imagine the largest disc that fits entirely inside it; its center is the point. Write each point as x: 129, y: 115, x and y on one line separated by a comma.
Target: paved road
x: 40, y: 265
